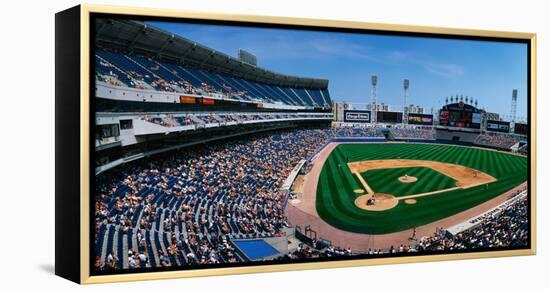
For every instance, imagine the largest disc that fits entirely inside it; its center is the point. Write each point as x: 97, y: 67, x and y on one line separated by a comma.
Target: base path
x: 426, y: 194
x: 365, y: 184
x: 304, y: 213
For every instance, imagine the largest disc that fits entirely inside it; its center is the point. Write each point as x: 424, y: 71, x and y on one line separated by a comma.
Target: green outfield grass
x: 335, y: 191
x: 386, y: 181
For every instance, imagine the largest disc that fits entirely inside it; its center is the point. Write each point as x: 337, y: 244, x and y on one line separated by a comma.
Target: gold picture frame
x: 82, y: 261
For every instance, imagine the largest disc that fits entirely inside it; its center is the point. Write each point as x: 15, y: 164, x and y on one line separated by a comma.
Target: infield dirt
x: 465, y: 177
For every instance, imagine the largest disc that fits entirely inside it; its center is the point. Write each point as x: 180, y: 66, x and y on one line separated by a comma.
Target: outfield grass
x: 335, y: 191
x: 386, y: 181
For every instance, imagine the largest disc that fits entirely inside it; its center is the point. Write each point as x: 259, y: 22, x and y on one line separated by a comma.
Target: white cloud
x: 442, y: 69
x: 447, y: 70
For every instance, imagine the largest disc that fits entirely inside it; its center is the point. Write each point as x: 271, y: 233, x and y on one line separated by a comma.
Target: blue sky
x: 437, y: 68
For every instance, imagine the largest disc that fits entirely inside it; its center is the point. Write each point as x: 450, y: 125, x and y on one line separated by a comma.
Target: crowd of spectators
x: 157, y: 120
x: 358, y: 131
x: 119, y: 70
x: 420, y: 132
x: 232, y: 93
x: 198, y: 197
x: 370, y: 130
x: 208, y: 118
x: 500, y: 140
x: 174, y: 120
x: 163, y: 85
x: 508, y: 228
x: 139, y: 80
x: 109, y: 79
x: 304, y: 251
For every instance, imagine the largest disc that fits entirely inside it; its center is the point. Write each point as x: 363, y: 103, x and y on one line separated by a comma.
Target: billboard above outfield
x: 500, y: 126
x: 460, y: 115
x: 356, y: 115
x: 389, y: 117
x: 419, y: 118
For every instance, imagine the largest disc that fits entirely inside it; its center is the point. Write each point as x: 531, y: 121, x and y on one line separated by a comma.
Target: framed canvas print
x: 193, y: 144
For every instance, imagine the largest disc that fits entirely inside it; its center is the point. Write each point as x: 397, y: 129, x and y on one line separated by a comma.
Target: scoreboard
x: 521, y: 128
x: 248, y: 57
x: 460, y: 115
x: 389, y: 117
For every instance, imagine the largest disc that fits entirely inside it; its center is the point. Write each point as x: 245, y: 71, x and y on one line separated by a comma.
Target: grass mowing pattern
x: 386, y: 181
x: 335, y: 196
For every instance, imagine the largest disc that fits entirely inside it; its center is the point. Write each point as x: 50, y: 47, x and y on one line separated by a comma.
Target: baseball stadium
x: 205, y: 159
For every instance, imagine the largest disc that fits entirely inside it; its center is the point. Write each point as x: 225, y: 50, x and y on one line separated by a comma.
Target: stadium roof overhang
x: 138, y: 37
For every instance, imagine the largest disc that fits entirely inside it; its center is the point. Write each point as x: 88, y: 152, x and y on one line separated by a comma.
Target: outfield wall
x: 460, y: 136
x: 409, y: 140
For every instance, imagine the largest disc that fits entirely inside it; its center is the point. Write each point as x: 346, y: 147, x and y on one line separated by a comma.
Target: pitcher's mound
x: 380, y: 202
x: 407, y: 179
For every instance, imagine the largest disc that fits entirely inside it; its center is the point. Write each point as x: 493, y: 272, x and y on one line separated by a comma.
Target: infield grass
x: 386, y: 181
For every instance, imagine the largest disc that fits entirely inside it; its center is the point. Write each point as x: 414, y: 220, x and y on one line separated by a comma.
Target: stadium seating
x: 413, y: 132
x: 358, y: 131
x: 185, y: 119
x: 185, y: 206
x: 145, y: 73
x: 508, y: 228
x: 499, y: 140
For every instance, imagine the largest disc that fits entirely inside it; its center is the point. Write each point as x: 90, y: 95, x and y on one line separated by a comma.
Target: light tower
x: 373, y: 107
x: 514, y: 107
x: 405, y: 94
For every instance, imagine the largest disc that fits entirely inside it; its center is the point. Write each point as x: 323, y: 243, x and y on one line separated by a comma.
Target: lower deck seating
x: 186, y: 206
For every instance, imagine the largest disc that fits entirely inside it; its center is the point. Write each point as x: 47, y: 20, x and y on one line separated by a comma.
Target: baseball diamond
x: 335, y: 200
